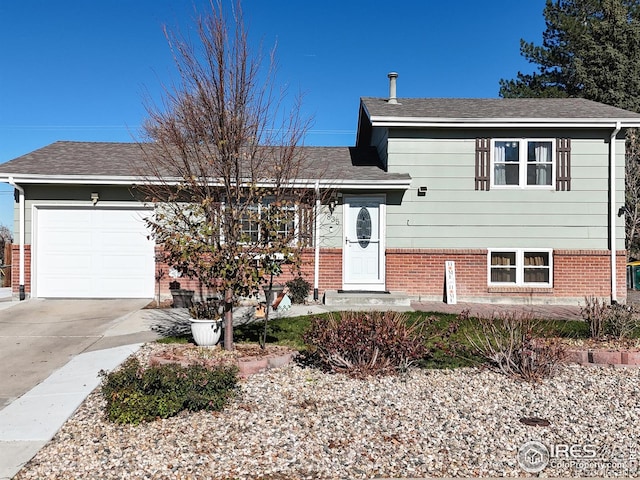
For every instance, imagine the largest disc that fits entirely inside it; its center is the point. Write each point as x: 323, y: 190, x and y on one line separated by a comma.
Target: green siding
x: 68, y: 195
x: 453, y: 214
x: 330, y: 227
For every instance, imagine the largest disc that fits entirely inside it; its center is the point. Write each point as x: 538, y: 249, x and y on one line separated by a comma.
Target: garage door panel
x: 95, y: 253
x: 112, y: 286
x: 114, y: 241
x: 71, y: 287
x: 124, y: 266
x: 69, y: 264
x: 58, y: 240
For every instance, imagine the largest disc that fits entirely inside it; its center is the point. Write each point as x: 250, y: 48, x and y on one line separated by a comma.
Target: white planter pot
x: 206, y: 333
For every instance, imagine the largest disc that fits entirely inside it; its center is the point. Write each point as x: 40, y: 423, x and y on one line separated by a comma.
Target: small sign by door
x: 450, y: 281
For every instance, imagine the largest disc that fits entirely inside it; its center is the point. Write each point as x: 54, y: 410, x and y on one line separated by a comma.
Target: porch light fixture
x: 95, y: 197
x: 622, y: 210
x: 333, y: 201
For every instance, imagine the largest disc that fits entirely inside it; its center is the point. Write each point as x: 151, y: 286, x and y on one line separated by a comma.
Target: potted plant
x: 182, y: 298
x: 206, y: 322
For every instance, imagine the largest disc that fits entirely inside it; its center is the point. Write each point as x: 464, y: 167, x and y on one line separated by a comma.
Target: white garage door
x: 93, y: 253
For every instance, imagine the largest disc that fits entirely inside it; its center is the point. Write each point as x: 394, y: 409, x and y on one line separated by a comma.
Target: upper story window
x: 523, y: 163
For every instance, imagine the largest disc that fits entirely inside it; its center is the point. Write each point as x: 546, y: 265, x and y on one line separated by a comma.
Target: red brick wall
x: 330, y: 277
x: 577, y: 273
x: 15, y: 269
x: 420, y: 273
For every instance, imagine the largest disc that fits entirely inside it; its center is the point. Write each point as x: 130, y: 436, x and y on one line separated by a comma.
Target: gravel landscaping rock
x: 294, y: 422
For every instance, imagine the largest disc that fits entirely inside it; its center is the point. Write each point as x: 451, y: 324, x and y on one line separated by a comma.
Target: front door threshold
x: 366, y: 299
x: 363, y: 291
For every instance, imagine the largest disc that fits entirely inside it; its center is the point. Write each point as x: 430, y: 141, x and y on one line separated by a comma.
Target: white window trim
x: 522, y: 184
x: 295, y: 208
x: 520, y: 268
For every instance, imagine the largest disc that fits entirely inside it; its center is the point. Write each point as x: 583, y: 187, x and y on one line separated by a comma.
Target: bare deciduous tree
x: 222, y: 161
x: 632, y: 194
x: 6, y: 236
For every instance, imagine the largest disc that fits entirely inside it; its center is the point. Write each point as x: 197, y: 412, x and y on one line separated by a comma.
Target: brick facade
x: 15, y: 269
x: 420, y: 273
x: 576, y: 274
x: 330, y: 277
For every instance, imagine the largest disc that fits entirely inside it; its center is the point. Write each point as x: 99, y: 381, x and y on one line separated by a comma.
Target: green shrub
x: 366, y: 343
x: 135, y: 394
x: 298, y: 289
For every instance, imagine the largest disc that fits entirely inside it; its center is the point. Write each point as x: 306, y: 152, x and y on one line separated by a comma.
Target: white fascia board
x: 378, y: 121
x: 367, y: 185
x: 83, y: 180
x: 402, y: 184
x: 69, y: 179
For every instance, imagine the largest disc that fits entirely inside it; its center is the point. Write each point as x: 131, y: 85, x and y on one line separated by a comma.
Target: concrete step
x: 366, y: 300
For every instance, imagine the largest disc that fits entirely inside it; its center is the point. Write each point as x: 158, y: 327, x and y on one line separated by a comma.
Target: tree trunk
x: 228, y: 320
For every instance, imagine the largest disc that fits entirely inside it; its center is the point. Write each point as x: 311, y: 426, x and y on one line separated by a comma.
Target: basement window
x: 520, y: 267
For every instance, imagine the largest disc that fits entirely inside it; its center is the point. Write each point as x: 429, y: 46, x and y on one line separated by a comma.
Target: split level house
x: 523, y: 195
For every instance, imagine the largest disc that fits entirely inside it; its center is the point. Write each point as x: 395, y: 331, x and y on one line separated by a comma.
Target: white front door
x: 363, y: 252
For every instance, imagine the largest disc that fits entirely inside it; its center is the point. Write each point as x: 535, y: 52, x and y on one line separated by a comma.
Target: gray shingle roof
x: 125, y: 160
x: 507, y: 108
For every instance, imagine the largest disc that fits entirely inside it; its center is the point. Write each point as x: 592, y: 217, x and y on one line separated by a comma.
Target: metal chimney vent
x: 393, y: 76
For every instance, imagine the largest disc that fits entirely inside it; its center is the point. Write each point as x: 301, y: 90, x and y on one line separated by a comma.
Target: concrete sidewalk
x: 488, y: 310
x: 30, y: 421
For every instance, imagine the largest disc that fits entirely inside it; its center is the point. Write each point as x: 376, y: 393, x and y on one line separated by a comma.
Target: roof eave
x: 68, y: 179
x: 32, y: 179
x: 382, y: 121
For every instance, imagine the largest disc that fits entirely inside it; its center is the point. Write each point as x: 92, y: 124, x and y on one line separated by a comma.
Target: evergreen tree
x: 590, y: 49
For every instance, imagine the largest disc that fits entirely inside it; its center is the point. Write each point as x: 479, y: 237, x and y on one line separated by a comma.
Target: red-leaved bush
x: 366, y: 343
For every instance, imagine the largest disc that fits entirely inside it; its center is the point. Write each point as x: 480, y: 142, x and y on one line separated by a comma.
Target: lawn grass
x: 280, y: 331
x: 452, y: 352
x: 175, y: 339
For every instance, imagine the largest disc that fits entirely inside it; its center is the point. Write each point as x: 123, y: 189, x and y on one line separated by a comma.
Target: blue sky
x: 79, y: 69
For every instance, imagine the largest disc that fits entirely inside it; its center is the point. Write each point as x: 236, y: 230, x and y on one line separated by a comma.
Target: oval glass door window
x: 363, y: 227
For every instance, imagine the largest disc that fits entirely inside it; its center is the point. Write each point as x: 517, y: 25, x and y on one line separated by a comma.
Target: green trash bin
x: 633, y: 275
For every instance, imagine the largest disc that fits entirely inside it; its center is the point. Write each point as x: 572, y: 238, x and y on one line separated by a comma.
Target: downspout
x: 20, y: 234
x: 316, y: 263
x: 612, y: 212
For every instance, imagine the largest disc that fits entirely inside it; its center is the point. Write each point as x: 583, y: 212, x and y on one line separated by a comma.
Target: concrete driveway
x: 39, y: 336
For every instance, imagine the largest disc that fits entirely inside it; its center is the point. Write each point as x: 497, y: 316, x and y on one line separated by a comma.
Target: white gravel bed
x: 294, y: 423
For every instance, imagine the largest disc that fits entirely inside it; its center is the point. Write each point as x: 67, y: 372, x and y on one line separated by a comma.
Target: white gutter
x: 390, y: 184
x: 612, y: 211
x: 316, y: 229
x: 500, y: 123
x: 20, y: 234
